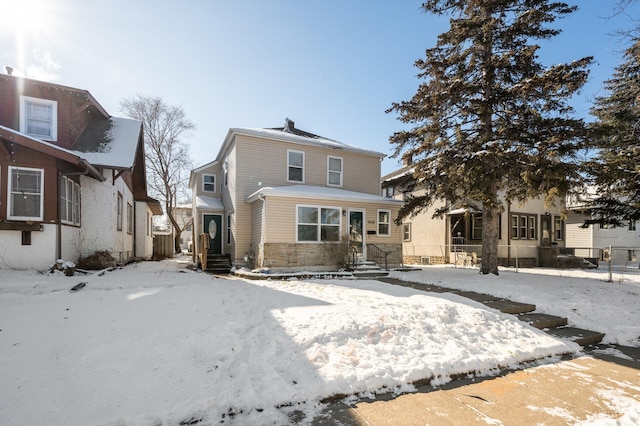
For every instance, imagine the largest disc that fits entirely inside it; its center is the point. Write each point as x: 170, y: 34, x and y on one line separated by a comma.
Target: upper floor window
x: 26, y: 187
x: 384, y: 222
x: 295, y: 166
x: 334, y: 171
x: 38, y: 118
x: 69, y: 201
x: 632, y: 225
x: 389, y: 191
x: 209, y: 183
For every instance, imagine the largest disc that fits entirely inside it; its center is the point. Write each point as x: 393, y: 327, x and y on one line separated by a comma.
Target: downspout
x: 263, y: 234
x: 88, y: 170
x: 58, y: 220
x: 135, y: 233
x: 508, y: 233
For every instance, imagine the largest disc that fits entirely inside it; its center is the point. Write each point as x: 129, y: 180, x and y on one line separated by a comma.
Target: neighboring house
x: 183, y: 214
x: 595, y: 240
x: 73, y: 178
x: 274, y: 198
x: 457, y: 236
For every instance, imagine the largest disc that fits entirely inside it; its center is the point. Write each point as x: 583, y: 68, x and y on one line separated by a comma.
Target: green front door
x: 213, y: 228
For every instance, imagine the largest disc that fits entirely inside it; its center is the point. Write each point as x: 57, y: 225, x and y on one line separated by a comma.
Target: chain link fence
x: 611, y: 258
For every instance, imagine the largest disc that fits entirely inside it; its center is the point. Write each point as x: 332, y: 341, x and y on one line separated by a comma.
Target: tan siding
x: 264, y: 163
x: 281, y: 217
x: 197, y: 182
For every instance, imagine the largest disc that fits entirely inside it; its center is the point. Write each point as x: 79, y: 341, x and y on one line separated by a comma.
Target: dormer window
x: 39, y: 118
x: 209, y: 183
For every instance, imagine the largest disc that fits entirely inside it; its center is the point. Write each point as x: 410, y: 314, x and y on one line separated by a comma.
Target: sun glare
x: 25, y: 16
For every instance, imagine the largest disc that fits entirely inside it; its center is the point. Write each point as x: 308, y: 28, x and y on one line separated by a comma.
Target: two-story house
x: 72, y: 178
x: 274, y: 198
x: 530, y: 232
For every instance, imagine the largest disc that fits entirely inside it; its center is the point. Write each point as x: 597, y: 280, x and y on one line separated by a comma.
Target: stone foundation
x: 314, y: 257
x: 417, y: 260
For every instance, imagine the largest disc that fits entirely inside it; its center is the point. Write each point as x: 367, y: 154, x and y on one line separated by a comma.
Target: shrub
x: 96, y: 261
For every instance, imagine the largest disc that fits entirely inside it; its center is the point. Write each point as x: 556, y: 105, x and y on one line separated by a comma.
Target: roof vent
x: 289, y: 125
x: 9, y: 69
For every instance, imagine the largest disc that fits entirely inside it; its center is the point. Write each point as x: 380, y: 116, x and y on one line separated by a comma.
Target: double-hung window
x: 632, y: 225
x: 524, y: 227
x: 129, y: 218
x: 209, y: 183
x: 119, y: 213
x: 315, y: 224
x: 38, y: 118
x: 558, y: 228
x: 476, y: 229
x: 334, y: 171
x: 26, y: 198
x: 384, y: 223
x: 295, y: 166
x: 406, y: 231
x: 69, y: 201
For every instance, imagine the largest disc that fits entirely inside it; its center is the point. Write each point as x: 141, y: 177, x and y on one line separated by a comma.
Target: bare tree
x: 166, y: 153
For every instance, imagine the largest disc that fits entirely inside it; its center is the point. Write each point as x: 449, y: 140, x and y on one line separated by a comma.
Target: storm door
x: 213, y: 228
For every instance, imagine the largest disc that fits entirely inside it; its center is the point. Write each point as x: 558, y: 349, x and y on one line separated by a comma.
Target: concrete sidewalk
x: 567, y: 392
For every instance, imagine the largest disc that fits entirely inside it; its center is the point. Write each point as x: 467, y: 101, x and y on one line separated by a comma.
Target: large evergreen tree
x: 616, y: 168
x: 489, y: 117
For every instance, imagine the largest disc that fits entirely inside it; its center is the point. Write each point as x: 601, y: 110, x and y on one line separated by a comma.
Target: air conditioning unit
x: 425, y: 260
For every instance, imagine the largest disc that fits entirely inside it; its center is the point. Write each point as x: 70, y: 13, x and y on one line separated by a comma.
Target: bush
x: 96, y: 261
x: 338, y: 252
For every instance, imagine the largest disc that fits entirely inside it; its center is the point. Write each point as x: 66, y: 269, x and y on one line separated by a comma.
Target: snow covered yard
x: 156, y: 344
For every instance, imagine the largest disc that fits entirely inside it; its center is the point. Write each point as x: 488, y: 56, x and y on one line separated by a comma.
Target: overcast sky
x: 332, y: 66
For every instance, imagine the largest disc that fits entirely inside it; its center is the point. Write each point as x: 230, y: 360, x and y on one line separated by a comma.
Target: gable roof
x: 80, y: 93
x: 112, y: 142
x: 289, y: 133
x: 50, y: 149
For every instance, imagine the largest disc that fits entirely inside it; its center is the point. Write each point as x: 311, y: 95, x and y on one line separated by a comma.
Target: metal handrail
x: 377, y: 253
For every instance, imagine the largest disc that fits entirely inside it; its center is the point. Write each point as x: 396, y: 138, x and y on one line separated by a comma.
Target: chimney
x: 289, y: 125
x: 407, y: 159
x: 9, y: 69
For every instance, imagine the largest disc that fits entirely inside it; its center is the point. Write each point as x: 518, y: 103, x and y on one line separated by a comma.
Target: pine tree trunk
x: 490, y: 236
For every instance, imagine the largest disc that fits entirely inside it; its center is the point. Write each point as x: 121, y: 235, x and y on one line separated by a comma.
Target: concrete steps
x: 368, y: 269
x: 551, y: 324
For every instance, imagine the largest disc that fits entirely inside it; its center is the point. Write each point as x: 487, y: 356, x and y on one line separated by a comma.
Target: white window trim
x: 329, y: 171
x: 209, y: 183
x: 319, y: 224
x: 129, y: 218
x: 408, y: 227
x: 524, y: 221
x: 10, y: 184
x: 289, y: 151
x: 378, y: 223
x: 54, y: 119
x: 119, y: 213
x: 75, y: 206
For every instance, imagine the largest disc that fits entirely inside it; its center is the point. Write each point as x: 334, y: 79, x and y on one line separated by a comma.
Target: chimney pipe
x: 9, y: 69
